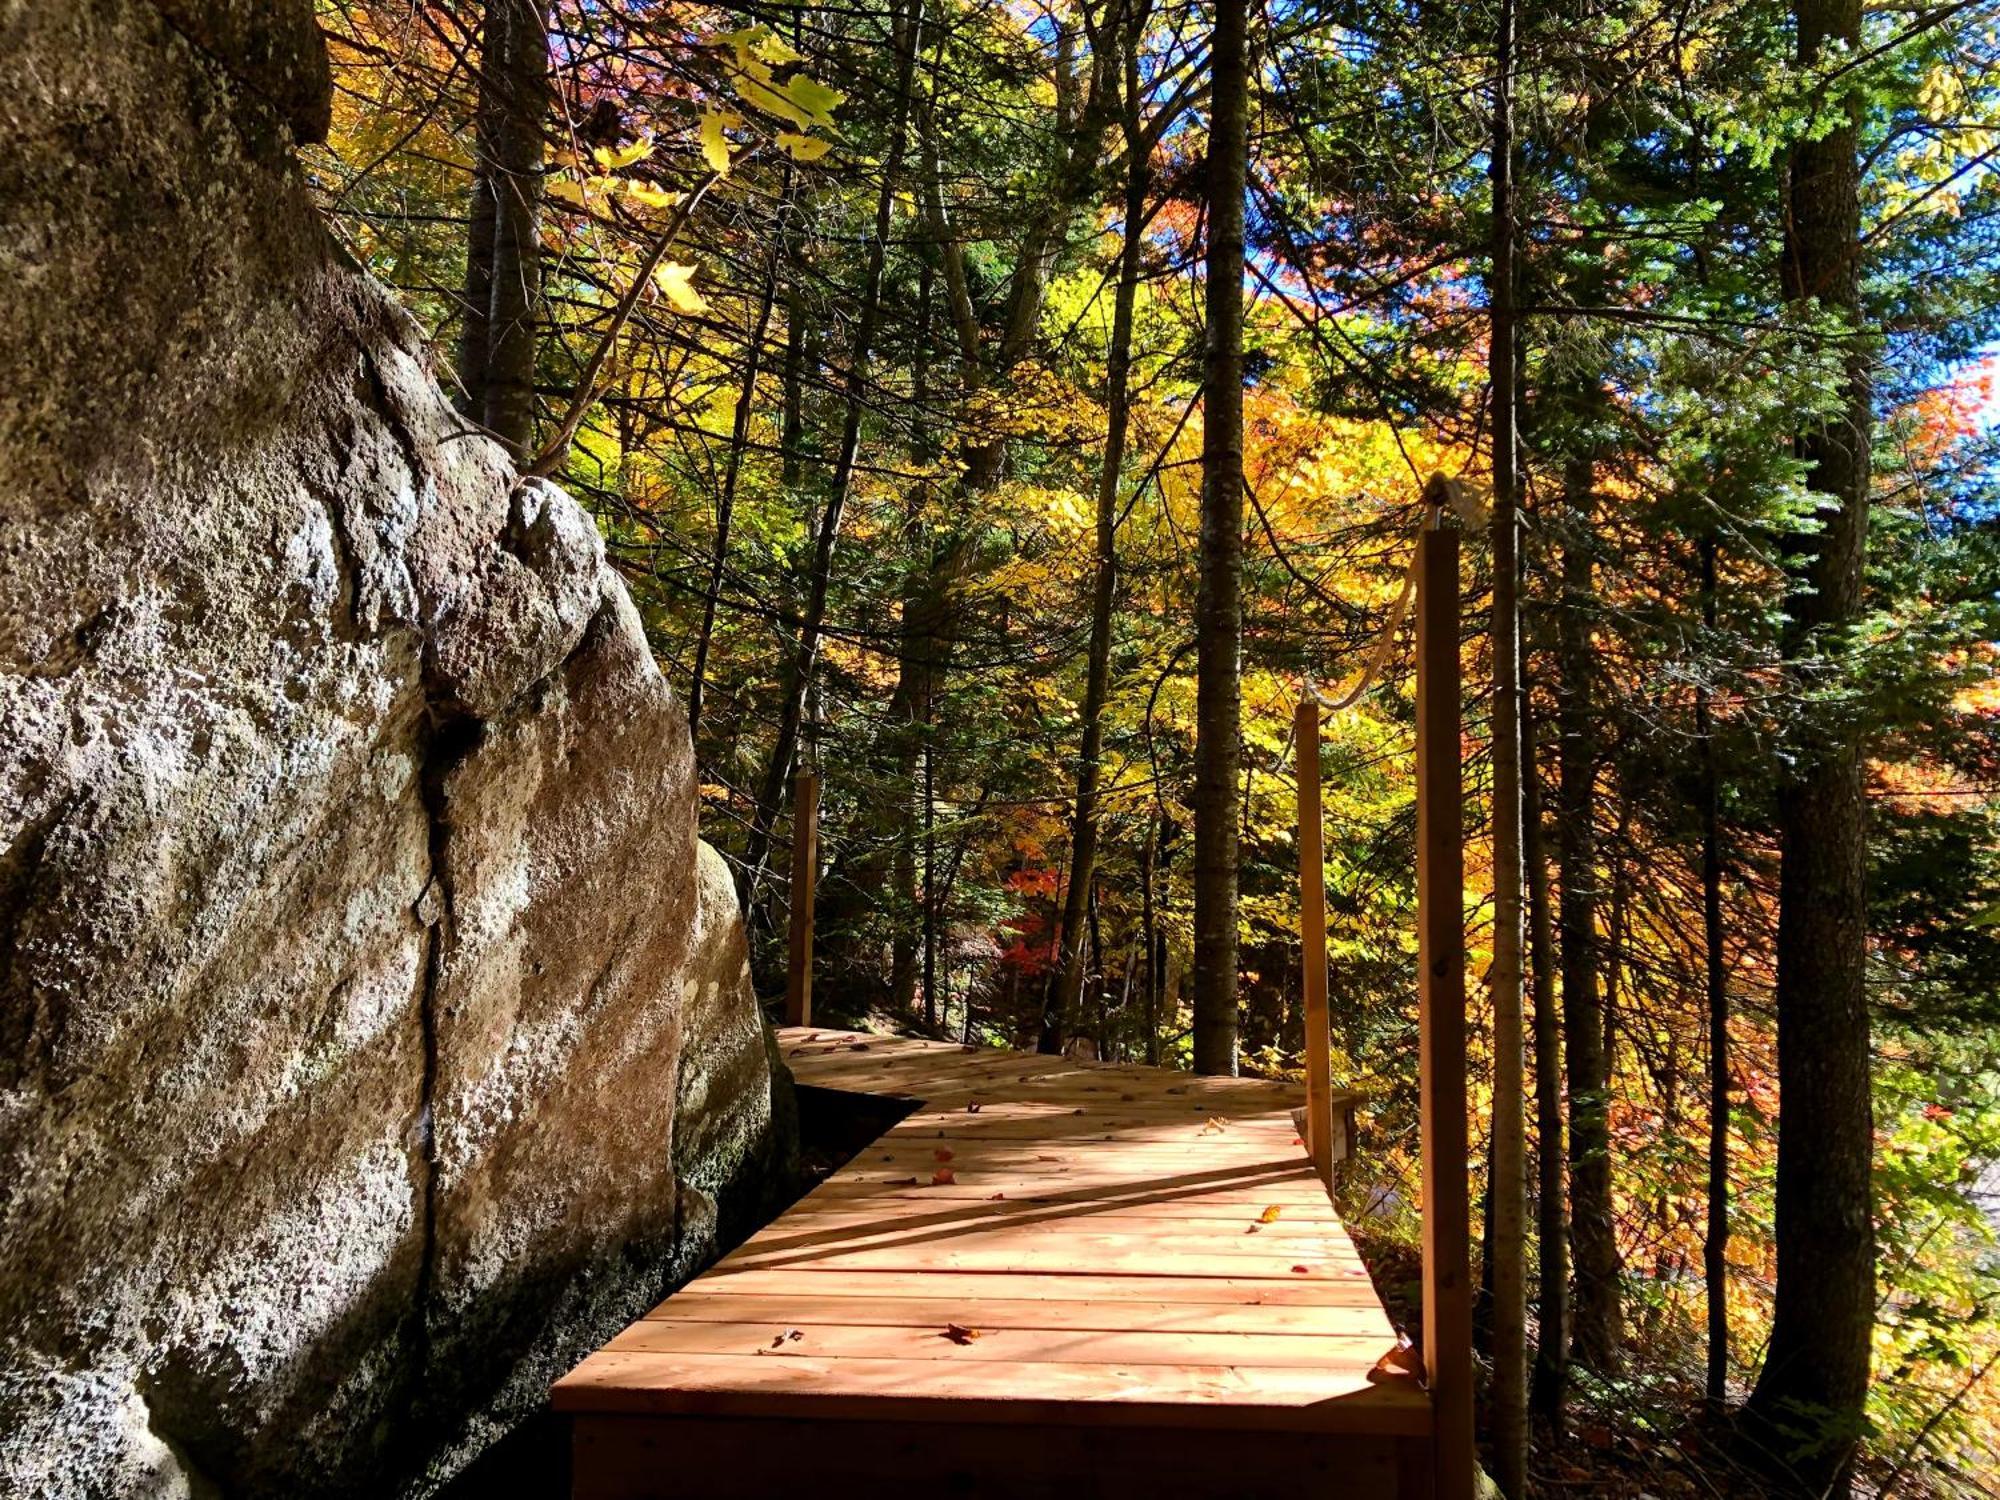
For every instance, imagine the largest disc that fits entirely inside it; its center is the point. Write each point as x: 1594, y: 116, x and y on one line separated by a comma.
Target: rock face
x: 375, y: 1036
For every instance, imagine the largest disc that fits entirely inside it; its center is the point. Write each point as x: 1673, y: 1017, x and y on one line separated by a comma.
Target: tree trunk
x: 1551, y: 1372
x: 1068, y: 987
x: 932, y: 913
x: 1219, y: 605
x: 1152, y: 869
x: 1509, y: 1186
x: 725, y: 504
x: 1816, y: 1364
x: 1715, y: 1244
x: 473, y: 333
x: 792, y: 423
x: 515, y: 68
x: 1595, y: 1319
x: 805, y: 651
x: 910, y: 704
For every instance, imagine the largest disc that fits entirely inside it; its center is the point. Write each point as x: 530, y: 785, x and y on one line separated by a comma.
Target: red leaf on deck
x: 1302, y: 1270
x: 943, y: 1177
x: 943, y: 1153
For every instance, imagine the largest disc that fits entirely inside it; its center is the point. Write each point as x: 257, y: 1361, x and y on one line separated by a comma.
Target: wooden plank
x: 805, y: 881
x: 1312, y: 942
x: 829, y: 1210
x: 1447, y: 1292
x: 1105, y: 1254
x: 1108, y: 1231
x: 1356, y: 1315
x: 1283, y: 1291
x: 694, y: 1458
x: 1212, y: 1396
x: 986, y: 1340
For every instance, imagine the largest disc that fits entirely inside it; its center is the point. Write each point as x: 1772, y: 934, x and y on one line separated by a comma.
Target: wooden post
x: 1312, y: 942
x: 1441, y: 1015
x: 805, y: 876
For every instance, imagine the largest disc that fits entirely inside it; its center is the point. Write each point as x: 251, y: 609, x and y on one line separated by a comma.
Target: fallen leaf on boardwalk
x: 996, y: 1198
x: 901, y: 1182
x: 943, y: 1153
x: 972, y: 1108
x: 1213, y: 1124
x: 1269, y: 1215
x: 1400, y: 1363
x: 788, y: 1336
x: 857, y: 1046
x: 958, y: 1333
x: 1302, y: 1270
x: 943, y: 1177
x: 1253, y: 1228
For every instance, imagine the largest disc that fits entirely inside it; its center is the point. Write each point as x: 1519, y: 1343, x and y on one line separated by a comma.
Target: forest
x: 1007, y: 411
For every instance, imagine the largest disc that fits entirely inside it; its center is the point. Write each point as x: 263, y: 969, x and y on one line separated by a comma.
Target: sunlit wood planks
x: 1041, y: 1246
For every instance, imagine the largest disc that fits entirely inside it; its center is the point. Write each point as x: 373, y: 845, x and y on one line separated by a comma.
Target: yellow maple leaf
x: 611, y: 158
x: 676, y: 281
x: 645, y: 194
x: 802, y: 147
x: 714, y: 144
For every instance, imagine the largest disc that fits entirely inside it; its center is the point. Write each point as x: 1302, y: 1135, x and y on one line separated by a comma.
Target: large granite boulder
x: 375, y: 1036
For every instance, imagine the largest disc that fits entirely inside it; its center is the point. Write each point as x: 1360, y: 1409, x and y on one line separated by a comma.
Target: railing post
x: 805, y: 876
x: 1441, y: 1014
x: 1312, y: 942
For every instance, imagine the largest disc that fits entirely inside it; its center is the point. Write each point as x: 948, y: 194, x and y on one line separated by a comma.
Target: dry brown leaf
x: 958, y: 1333
x: 1400, y: 1363
x: 943, y: 1177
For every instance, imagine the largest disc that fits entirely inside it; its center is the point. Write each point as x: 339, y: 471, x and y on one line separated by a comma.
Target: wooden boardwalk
x: 1050, y: 1277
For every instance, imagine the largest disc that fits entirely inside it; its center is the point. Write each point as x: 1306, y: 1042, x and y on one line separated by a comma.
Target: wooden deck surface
x: 1045, y: 1242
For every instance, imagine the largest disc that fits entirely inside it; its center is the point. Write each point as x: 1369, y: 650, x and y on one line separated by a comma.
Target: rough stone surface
x: 374, y: 1032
